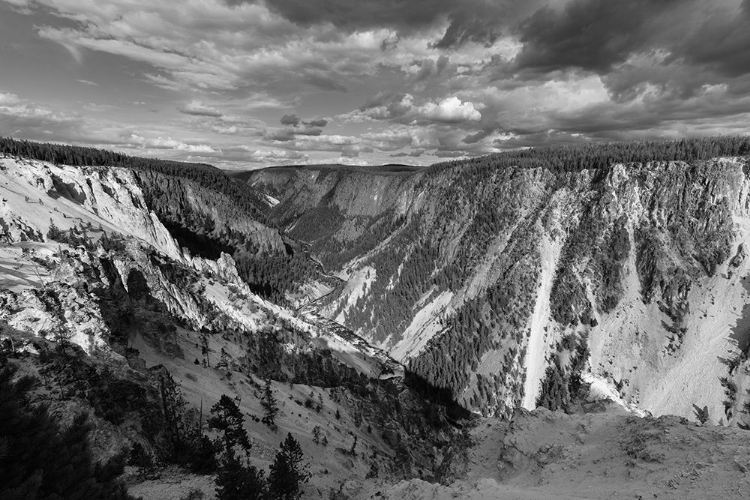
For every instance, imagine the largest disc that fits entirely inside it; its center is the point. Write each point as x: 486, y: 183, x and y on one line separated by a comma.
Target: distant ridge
x: 389, y: 168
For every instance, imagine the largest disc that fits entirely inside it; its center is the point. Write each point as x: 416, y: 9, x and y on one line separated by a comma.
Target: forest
x: 601, y: 155
x: 205, y: 175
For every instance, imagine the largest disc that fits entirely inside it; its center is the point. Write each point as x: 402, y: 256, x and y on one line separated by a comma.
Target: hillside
x: 496, y: 277
x: 114, y: 318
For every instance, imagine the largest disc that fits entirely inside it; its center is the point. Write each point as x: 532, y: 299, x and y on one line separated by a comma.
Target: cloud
x: 460, y: 22
x: 402, y: 108
x: 286, y: 134
x: 325, y: 82
x: 588, y: 34
x: 292, y: 120
x: 88, y: 82
x: 450, y: 110
x: 24, y: 119
x: 8, y: 99
x: 198, y: 108
x: 316, y: 122
x: 428, y: 68
x: 721, y: 42
x: 447, y: 77
x: 415, y: 153
x: 168, y: 143
x: 262, y: 155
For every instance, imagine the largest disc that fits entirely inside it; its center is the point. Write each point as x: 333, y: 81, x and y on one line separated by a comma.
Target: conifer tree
x: 288, y: 472
x: 173, y: 407
x: 270, y: 406
x: 236, y: 481
x: 227, y: 418
x: 316, y: 434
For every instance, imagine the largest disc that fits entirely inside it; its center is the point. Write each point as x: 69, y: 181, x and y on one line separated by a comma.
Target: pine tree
x: 236, y: 481
x: 227, y: 418
x: 270, y: 406
x: 203, y: 456
x: 288, y: 473
x: 316, y: 434
x: 173, y: 407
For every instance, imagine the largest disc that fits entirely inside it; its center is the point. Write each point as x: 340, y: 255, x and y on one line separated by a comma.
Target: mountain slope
x: 487, y: 277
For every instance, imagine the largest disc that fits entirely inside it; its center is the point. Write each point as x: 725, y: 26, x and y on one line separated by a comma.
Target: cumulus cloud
x: 402, y: 108
x: 450, y: 110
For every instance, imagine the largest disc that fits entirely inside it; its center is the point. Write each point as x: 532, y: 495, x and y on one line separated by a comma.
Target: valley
x: 563, y: 322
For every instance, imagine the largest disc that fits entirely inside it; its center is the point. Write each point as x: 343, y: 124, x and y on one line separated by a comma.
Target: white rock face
x: 47, y: 295
x: 58, y: 311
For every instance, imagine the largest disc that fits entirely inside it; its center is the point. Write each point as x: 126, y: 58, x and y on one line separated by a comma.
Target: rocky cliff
x: 489, y: 280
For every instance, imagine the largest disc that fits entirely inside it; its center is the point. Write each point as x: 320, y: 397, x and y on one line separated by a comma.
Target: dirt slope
x: 612, y: 454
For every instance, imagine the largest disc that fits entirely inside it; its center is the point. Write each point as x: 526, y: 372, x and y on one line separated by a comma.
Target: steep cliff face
x: 488, y: 281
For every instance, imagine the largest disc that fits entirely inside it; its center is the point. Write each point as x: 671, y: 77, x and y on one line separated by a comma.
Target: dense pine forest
x: 596, y: 156
x: 205, y: 175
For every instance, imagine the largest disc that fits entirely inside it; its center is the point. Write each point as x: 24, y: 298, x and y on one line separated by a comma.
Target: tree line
x: 601, y: 155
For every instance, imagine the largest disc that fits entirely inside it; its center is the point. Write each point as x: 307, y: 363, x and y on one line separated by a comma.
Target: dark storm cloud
x: 588, y: 34
x: 721, y: 43
x: 478, y: 21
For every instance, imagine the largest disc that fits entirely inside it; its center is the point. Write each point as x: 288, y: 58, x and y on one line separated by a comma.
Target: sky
x: 244, y: 84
